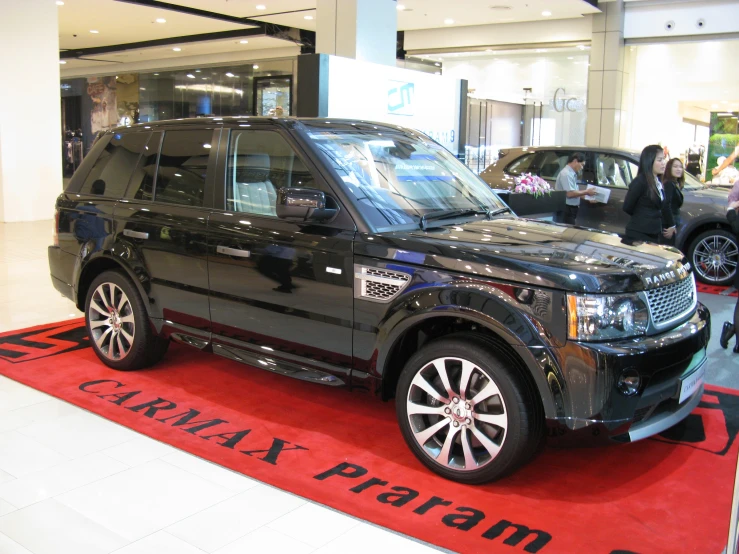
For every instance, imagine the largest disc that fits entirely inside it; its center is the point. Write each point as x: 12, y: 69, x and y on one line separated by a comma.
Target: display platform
x: 715, y: 289
x: 344, y: 449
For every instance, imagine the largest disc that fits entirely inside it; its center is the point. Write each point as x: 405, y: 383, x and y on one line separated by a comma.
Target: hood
x: 713, y: 195
x: 533, y: 252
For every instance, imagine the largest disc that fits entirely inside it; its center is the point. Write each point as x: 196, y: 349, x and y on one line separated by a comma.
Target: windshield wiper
x: 447, y: 214
x: 499, y: 211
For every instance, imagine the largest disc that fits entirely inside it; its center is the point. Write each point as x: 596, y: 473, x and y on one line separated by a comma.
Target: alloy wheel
x: 111, y: 321
x: 457, y: 414
x: 715, y: 258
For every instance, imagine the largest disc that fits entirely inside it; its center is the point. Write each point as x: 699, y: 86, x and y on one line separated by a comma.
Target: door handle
x: 135, y: 234
x: 233, y: 252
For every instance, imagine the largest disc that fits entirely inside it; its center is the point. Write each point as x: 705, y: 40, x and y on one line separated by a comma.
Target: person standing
x: 673, y: 183
x: 567, y: 181
x: 732, y: 214
x: 645, y: 198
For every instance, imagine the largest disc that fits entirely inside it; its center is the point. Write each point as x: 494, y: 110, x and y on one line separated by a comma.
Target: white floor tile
x: 9, y: 546
x: 14, y: 395
x: 49, y: 527
x: 160, y: 543
x: 49, y: 410
x: 144, y: 499
x: 228, y: 521
x: 314, y: 524
x: 210, y: 471
x: 78, y: 435
x: 266, y: 540
x: 59, y: 479
x: 138, y: 451
x: 22, y: 455
x: 368, y: 539
x: 6, y: 508
x: 5, y: 477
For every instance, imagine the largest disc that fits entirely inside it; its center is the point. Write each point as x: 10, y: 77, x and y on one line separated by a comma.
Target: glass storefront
x: 94, y: 104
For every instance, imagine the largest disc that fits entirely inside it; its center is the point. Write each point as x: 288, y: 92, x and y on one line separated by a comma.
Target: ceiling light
x: 581, y: 47
x: 400, y: 7
x: 243, y: 42
x: 229, y: 74
x: 261, y: 7
x: 156, y: 73
x: 541, y: 50
x: 205, y: 78
x: 197, y: 71
x: 488, y: 50
x: 308, y: 17
x: 94, y: 32
x: 190, y: 76
x: 176, y: 49
x: 714, y: 106
x: 546, y: 14
x: 62, y: 62
x: 59, y: 3
x: 570, y: 58
x: 161, y: 20
x: 449, y: 21
x: 255, y: 66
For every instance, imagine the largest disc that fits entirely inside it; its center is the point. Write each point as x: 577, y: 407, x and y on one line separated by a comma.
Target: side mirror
x: 296, y: 204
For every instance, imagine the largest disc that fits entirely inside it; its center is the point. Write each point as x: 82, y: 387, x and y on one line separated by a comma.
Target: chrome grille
x: 673, y: 301
x: 379, y: 285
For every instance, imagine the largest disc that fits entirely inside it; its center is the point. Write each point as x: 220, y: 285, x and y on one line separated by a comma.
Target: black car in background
x: 347, y: 253
x: 705, y: 235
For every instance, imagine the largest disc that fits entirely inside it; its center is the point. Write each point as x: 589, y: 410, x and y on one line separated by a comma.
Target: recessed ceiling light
x: 161, y: 20
x: 261, y: 7
x: 190, y: 76
x: 62, y: 62
x: 243, y: 42
x: 541, y: 50
x: 59, y: 3
x: 546, y: 14
x: 581, y: 47
x: 308, y: 17
x: 499, y: 7
x: 255, y: 66
x: 156, y: 73
x: 449, y: 21
x: 714, y: 106
x: 488, y: 50
x: 229, y: 74
x: 197, y: 71
x: 142, y: 88
x: 94, y: 32
x: 205, y: 78
x: 570, y: 58
x: 437, y: 64
x: 400, y: 7
x: 177, y: 49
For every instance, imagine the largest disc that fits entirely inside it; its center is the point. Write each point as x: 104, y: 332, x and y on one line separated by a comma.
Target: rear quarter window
x: 521, y: 165
x: 114, y: 166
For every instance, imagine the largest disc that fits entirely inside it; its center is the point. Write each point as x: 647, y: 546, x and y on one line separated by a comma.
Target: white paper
x: 601, y: 195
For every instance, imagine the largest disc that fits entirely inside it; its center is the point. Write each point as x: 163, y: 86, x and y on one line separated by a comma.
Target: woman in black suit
x: 673, y: 183
x: 645, y: 199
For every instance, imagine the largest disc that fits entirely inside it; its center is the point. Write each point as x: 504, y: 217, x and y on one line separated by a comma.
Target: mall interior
x: 305, y: 467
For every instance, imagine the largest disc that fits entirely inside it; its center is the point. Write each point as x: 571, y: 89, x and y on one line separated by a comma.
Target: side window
x: 521, y: 165
x: 115, y: 165
x: 551, y: 163
x: 260, y: 163
x: 613, y: 171
x: 182, y: 167
x: 142, y: 180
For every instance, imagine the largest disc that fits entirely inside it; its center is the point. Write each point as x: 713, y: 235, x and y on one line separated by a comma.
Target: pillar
x: 30, y: 111
x: 365, y: 30
x: 606, y: 77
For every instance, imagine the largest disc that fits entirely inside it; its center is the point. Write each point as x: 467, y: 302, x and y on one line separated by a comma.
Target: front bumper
x: 589, y: 403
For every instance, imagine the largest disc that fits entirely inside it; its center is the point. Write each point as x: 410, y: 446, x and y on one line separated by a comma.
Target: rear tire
x: 714, y: 256
x: 118, y: 324
x: 466, y: 412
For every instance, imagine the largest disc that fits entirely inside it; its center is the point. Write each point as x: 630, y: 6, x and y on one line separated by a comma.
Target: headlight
x: 596, y: 317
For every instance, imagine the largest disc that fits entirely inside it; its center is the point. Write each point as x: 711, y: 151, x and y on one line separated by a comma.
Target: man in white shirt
x: 567, y: 181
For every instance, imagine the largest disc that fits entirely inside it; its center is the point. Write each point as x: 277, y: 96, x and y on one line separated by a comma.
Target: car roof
x: 287, y: 122
x: 625, y: 151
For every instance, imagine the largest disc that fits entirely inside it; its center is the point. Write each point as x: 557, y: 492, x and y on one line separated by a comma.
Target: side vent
x: 378, y: 285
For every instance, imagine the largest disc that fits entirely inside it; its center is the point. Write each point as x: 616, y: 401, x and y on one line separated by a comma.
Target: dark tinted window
x: 182, y: 167
x: 551, y: 163
x: 521, y: 165
x: 142, y: 181
x: 113, y: 168
x: 260, y: 163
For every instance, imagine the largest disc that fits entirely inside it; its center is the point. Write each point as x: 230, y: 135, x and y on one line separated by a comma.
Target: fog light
x: 629, y: 382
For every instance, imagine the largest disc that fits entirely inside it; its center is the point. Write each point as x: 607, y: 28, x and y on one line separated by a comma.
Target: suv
x: 705, y: 235
x: 347, y: 253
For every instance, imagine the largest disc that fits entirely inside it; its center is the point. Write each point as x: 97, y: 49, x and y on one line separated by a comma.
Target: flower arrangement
x: 527, y: 183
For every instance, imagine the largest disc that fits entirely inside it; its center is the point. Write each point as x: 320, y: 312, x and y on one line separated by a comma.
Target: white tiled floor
x: 72, y: 482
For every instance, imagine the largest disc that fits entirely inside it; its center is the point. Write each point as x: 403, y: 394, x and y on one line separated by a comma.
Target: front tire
x: 714, y: 256
x: 118, y: 324
x: 466, y: 412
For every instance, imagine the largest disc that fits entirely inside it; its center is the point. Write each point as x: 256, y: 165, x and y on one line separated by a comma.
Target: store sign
x: 561, y: 103
x: 400, y: 98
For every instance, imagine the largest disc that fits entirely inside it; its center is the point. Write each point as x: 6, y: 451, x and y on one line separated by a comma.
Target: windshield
x: 691, y: 183
x: 397, y: 179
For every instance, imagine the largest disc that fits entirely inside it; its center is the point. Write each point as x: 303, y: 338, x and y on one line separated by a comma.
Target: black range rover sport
x: 348, y: 253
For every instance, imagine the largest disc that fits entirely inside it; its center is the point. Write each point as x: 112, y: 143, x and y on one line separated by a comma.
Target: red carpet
x: 713, y: 289
x: 344, y: 449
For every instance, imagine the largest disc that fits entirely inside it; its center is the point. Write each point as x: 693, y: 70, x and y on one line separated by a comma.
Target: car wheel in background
x: 714, y: 255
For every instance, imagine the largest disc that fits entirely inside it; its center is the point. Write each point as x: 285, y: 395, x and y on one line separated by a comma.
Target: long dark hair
x: 670, y: 177
x: 646, y: 163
